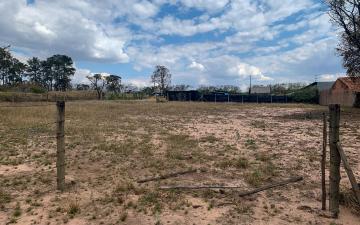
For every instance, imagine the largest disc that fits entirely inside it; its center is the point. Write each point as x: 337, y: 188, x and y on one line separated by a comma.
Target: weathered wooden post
x: 335, y: 159
x: 60, y: 152
x: 323, y: 162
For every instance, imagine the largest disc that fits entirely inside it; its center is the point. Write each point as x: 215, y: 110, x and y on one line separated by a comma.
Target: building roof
x: 321, y: 86
x: 259, y: 89
x: 352, y: 83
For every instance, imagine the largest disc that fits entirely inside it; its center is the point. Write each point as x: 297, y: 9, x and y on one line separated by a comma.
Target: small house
x: 346, y: 92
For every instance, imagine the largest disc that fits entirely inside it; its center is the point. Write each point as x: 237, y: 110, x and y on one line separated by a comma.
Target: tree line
x: 52, y: 74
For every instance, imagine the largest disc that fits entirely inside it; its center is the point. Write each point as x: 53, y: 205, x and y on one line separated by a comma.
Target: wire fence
x: 26, y: 106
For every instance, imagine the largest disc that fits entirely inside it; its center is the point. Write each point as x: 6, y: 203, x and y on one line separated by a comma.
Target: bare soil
x: 112, y: 144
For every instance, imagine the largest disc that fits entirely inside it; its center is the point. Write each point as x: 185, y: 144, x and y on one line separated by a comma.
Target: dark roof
x: 324, y: 85
x: 321, y: 86
x: 353, y: 83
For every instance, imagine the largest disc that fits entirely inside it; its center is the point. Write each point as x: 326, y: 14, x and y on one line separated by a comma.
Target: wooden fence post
x: 335, y: 159
x: 60, y: 152
x: 323, y: 162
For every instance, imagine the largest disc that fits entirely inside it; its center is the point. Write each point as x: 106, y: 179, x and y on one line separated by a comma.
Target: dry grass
x: 51, y: 96
x: 111, y: 144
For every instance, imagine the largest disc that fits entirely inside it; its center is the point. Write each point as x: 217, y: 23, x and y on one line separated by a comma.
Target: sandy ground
x: 276, y: 143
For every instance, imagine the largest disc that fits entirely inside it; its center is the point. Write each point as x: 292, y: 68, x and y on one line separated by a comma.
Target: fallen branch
x: 166, y: 176
x: 198, y: 187
x: 277, y: 184
x: 281, y: 183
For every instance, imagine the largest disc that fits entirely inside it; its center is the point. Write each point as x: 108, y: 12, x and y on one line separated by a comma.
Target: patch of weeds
x: 244, y: 209
x: 210, y: 139
x: 261, y: 173
x: 262, y: 156
x: 4, y: 197
x: 181, y: 143
x: 207, y: 194
x: 17, y: 211
x: 258, y: 124
x: 254, y: 178
x: 223, y: 164
x: 152, y: 200
x: 240, y: 163
x: 123, y: 216
x: 250, y: 144
x: 122, y: 149
x: 73, y: 209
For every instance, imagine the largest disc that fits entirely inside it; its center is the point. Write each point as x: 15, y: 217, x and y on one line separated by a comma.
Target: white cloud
x: 138, y: 82
x: 244, y: 70
x: 145, y: 9
x: 238, y: 38
x: 196, y: 66
x: 66, y: 27
x: 331, y: 77
x: 80, y: 76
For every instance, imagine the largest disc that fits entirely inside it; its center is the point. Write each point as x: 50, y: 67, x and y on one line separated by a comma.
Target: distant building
x: 345, y: 91
x: 321, y: 91
x: 260, y: 89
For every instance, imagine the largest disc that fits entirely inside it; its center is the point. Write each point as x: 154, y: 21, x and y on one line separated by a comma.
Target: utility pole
x: 250, y: 86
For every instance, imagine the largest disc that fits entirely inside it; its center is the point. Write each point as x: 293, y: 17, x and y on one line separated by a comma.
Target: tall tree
x: 113, y: 83
x: 5, y: 64
x: 161, y: 78
x: 34, y: 70
x: 346, y: 15
x: 98, y: 83
x: 16, y: 72
x: 59, y: 70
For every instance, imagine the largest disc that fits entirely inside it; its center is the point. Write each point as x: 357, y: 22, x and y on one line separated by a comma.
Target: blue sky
x: 202, y: 42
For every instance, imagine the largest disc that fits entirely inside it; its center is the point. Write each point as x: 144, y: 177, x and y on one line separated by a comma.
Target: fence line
x: 25, y: 106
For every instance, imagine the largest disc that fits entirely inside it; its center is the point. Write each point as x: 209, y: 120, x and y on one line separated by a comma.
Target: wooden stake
x: 323, y: 162
x: 349, y: 172
x: 60, y: 152
x: 335, y: 159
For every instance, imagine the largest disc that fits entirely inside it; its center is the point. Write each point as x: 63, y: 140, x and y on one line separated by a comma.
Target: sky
x: 202, y: 42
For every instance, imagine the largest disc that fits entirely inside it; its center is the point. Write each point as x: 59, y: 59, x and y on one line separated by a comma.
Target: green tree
x: 16, y: 72
x: 34, y: 70
x: 58, y: 70
x: 5, y: 64
x: 113, y: 83
x: 98, y: 83
x: 161, y: 78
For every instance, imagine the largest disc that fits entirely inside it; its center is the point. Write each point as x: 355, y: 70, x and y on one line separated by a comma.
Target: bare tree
x: 98, y: 83
x: 345, y: 14
x: 161, y: 78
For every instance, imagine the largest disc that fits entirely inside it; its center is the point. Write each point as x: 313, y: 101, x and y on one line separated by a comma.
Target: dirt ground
x: 112, y: 144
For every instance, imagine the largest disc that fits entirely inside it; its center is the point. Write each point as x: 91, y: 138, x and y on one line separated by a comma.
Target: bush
x: 306, y: 95
x: 37, y: 90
